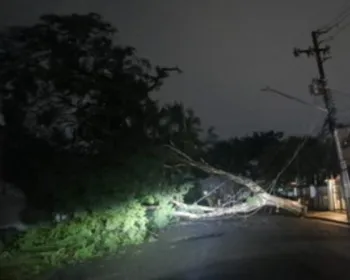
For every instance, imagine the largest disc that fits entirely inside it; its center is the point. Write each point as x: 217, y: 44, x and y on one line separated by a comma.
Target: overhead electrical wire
x: 342, y: 15
x: 302, y: 144
x: 336, y: 34
x: 301, y: 101
x: 313, y: 128
x: 268, y: 89
x: 337, y: 24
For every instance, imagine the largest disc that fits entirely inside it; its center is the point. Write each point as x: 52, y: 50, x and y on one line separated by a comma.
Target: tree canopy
x: 67, y: 85
x: 263, y: 155
x: 65, y: 81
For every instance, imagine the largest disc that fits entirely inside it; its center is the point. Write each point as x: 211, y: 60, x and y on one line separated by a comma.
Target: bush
x: 99, y: 182
x: 161, y: 216
x: 119, y: 199
x: 77, y: 240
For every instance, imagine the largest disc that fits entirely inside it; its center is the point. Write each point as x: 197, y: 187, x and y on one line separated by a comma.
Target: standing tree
x: 181, y: 127
x: 63, y: 80
x: 67, y: 87
x: 242, y: 155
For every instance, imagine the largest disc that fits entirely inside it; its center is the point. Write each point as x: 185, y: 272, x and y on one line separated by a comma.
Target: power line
x: 299, y: 100
x: 336, y: 34
x: 345, y: 12
x: 336, y: 24
x: 306, y: 137
x: 324, y: 126
x: 312, y: 130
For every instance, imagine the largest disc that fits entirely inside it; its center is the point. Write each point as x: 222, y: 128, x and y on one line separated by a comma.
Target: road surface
x: 262, y: 247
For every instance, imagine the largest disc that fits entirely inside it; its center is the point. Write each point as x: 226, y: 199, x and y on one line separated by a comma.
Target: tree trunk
x: 259, y: 199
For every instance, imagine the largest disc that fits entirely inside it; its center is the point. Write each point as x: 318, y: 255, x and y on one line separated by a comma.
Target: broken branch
x: 259, y: 199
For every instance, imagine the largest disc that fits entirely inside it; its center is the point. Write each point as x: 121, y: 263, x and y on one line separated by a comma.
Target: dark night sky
x: 228, y: 51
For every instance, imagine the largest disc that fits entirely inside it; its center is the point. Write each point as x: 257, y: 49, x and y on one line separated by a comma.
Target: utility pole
x: 319, y: 87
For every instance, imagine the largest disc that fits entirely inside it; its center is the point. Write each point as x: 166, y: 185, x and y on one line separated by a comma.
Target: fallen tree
x: 260, y: 198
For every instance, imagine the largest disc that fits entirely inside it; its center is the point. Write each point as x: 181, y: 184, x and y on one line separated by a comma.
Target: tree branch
x: 259, y: 199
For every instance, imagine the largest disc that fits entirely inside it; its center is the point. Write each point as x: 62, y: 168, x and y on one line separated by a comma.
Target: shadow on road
x: 287, y: 267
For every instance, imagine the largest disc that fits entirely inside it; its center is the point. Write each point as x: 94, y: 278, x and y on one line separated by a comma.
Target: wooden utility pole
x: 319, y: 87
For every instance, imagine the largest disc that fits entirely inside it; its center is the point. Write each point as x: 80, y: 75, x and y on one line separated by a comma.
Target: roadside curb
x: 327, y: 220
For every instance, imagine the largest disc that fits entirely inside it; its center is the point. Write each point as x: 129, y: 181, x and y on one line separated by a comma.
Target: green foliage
x: 162, y: 216
x: 98, y: 234
x: 111, y: 169
x: 68, y: 70
x: 93, y: 183
x: 181, y: 127
x: 118, y: 198
x: 71, y: 63
x: 77, y: 240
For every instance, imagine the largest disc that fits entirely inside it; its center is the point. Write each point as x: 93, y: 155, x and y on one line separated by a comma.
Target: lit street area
x: 339, y: 217
x: 261, y: 247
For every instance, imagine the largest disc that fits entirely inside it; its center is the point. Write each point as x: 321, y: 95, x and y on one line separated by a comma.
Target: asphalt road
x: 270, y: 247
